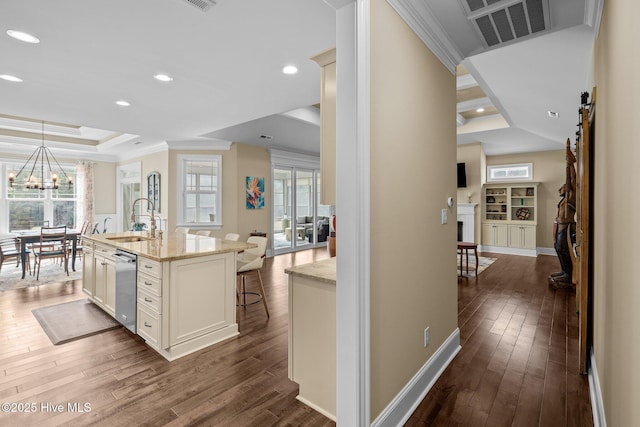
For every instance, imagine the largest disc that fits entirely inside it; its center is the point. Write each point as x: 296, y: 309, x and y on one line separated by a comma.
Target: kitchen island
x: 186, y: 287
x: 312, y: 334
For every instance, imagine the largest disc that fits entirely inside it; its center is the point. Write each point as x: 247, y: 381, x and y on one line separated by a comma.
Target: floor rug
x: 50, y: 272
x: 483, y: 262
x: 73, y: 320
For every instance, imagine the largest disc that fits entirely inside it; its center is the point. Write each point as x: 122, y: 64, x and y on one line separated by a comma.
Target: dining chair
x: 53, y: 244
x: 251, y: 261
x: 10, y: 249
x: 232, y: 236
x: 83, y: 231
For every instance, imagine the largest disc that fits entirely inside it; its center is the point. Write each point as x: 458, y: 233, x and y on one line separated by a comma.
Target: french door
x: 295, y: 208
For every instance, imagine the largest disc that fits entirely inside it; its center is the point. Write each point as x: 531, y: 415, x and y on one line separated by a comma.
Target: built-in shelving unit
x: 509, y: 217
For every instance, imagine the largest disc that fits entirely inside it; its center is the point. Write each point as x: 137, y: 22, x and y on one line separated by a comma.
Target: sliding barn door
x: 584, y: 228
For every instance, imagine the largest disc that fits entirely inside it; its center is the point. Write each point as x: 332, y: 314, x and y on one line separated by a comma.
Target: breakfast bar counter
x: 171, y: 247
x: 184, y: 290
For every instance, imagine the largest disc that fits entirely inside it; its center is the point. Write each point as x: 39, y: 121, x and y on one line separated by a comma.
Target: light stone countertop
x: 172, y: 247
x: 324, y: 271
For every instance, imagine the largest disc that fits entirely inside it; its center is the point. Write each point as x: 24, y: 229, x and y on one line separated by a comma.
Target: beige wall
x: 253, y: 161
x: 549, y: 170
x: 413, y: 256
x: 229, y: 188
x: 104, y: 188
x: 237, y: 163
x: 617, y: 175
x: 473, y: 156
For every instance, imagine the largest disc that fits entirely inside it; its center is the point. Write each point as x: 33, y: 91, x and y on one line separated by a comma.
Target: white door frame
x: 121, y: 171
x: 352, y: 212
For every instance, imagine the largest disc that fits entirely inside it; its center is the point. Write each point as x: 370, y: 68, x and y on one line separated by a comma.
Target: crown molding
x: 420, y: 18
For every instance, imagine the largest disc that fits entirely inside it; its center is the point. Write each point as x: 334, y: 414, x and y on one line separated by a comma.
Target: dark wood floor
x: 241, y: 382
x: 519, y: 363
x: 517, y: 366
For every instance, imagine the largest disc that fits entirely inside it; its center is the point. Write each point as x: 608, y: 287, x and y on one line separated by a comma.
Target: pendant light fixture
x: 33, y: 175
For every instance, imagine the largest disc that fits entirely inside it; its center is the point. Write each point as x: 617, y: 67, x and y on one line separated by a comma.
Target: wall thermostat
x: 450, y: 202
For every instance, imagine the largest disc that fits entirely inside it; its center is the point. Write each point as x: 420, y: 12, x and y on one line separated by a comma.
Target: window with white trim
x: 516, y: 172
x: 27, y: 209
x: 200, y: 185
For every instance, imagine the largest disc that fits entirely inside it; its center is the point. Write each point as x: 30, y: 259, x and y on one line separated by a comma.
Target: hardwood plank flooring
x: 519, y: 360
x: 240, y: 382
x: 517, y: 366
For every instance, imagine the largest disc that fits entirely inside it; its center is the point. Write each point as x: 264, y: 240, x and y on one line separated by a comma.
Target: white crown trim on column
x: 420, y: 18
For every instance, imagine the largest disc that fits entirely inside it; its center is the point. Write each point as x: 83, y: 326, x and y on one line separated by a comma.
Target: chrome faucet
x: 153, y: 219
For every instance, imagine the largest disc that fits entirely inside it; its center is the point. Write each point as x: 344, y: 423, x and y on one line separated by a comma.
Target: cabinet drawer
x: 149, y: 326
x: 149, y: 284
x: 150, y: 301
x: 106, y: 251
x: 150, y: 267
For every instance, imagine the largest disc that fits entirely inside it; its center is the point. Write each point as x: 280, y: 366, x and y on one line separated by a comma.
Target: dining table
x: 26, y: 237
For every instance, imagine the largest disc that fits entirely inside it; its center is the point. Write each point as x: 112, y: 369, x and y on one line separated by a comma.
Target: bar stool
x: 463, y: 248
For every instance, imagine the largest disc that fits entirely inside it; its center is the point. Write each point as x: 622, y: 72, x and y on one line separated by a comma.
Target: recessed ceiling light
x: 290, y: 69
x: 10, y: 78
x: 22, y: 36
x: 553, y: 114
x: 163, y: 77
x: 480, y: 110
x: 123, y: 103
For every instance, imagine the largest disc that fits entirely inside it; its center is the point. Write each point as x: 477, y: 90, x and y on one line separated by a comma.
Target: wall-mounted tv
x: 462, y: 176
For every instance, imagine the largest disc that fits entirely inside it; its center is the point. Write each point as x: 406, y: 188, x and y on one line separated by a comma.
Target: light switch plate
x: 444, y: 216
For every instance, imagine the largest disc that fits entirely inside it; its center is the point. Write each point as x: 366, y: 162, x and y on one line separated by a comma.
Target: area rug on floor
x: 483, y: 262
x: 49, y: 273
x: 73, y: 320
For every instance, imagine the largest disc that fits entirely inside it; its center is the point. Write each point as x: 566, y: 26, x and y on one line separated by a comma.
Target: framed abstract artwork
x: 255, y: 192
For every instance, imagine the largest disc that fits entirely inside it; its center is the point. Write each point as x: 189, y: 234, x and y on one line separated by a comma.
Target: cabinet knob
x: 147, y: 325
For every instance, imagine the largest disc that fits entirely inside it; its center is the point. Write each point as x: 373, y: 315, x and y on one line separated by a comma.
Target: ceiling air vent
x: 501, y: 21
x: 203, y: 5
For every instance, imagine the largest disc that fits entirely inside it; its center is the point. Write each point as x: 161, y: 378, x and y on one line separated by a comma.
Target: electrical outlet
x: 427, y: 336
x: 444, y: 216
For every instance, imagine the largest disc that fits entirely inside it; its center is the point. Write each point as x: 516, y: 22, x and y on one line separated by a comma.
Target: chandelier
x: 39, y: 177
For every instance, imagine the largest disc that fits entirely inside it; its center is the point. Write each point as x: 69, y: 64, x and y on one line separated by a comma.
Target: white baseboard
x: 597, y: 407
x: 508, y: 251
x: 402, y: 406
x: 547, y: 251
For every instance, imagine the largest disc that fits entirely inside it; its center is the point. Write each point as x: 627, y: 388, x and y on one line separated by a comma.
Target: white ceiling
x: 226, y: 63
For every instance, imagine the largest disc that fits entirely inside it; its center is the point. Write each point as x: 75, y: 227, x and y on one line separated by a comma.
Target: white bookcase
x: 509, y: 217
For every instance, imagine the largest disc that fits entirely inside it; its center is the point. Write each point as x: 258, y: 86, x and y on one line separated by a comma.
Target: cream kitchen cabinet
x: 88, y: 278
x: 104, y: 272
x: 186, y: 304
x: 185, y: 288
x: 327, y: 62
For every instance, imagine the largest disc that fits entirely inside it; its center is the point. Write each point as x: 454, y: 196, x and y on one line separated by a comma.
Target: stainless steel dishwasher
x: 126, y: 293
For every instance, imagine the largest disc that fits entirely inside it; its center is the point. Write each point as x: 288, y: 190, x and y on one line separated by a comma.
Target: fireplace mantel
x: 467, y: 215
